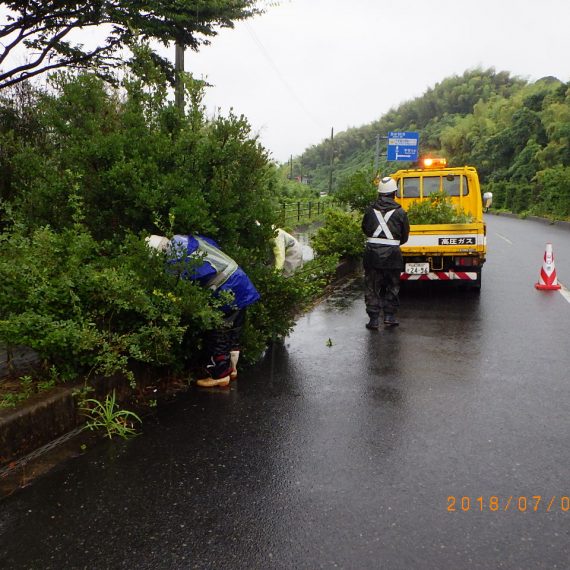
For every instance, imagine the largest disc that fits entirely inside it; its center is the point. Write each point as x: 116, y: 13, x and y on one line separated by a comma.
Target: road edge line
x: 564, y: 292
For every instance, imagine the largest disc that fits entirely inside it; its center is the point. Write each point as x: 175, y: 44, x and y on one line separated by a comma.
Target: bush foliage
x: 88, y: 173
x: 340, y: 235
x: 437, y: 209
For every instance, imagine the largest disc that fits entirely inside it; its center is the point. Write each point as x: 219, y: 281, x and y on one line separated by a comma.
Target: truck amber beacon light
x: 430, y: 162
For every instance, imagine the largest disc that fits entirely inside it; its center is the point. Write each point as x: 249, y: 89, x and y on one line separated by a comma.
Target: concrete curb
x: 43, y: 418
x: 49, y: 415
x: 48, y: 429
x: 558, y: 223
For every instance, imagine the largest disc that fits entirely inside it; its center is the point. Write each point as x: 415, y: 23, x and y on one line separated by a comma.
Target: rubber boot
x: 390, y: 321
x: 234, y: 357
x: 219, y: 372
x: 212, y: 382
x: 374, y: 322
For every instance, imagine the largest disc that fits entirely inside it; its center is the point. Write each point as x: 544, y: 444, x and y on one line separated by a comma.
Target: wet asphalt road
x: 349, y: 453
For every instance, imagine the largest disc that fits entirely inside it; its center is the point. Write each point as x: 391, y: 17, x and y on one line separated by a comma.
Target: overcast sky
x: 307, y: 66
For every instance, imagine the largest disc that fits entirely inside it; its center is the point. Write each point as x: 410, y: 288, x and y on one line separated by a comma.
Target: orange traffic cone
x: 547, y: 280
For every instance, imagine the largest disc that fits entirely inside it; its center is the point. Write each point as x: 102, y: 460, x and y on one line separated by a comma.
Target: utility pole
x: 377, y: 155
x: 331, y: 163
x: 178, y: 70
x: 291, y: 168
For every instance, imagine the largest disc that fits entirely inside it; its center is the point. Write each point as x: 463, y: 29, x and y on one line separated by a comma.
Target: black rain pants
x: 382, y: 288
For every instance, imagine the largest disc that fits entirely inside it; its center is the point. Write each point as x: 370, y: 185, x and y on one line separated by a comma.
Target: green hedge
x: 89, y: 172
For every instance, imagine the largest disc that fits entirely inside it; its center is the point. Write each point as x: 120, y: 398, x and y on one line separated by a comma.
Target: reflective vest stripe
x: 224, y: 265
x: 383, y: 241
x: 383, y: 224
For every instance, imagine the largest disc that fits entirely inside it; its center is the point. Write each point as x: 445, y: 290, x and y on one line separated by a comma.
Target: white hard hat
x: 157, y: 242
x: 387, y: 185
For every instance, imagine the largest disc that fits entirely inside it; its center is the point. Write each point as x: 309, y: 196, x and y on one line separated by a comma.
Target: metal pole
x: 377, y: 155
x: 179, y: 85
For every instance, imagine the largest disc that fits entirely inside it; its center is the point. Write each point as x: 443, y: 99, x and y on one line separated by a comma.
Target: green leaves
x: 90, y: 313
x: 136, y: 160
x: 109, y: 417
x: 440, y: 108
x: 44, y: 27
x: 93, y: 174
x: 512, y: 131
x: 340, y: 235
x: 437, y: 209
x: 554, y: 192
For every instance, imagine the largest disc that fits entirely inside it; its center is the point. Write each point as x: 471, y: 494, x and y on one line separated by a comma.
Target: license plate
x: 417, y: 268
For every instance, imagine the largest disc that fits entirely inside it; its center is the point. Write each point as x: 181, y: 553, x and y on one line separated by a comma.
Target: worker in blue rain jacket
x: 386, y: 226
x: 209, y: 266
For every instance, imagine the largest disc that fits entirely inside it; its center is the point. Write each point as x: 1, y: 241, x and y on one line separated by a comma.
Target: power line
x: 280, y: 76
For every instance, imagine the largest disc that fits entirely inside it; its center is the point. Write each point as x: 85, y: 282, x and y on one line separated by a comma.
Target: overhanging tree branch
x: 80, y: 62
x: 46, y: 26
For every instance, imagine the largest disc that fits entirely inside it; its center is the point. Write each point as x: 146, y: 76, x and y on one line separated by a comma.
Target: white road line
x: 506, y: 239
x: 564, y: 292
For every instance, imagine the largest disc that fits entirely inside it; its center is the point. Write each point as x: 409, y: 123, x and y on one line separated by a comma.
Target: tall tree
x: 47, y: 28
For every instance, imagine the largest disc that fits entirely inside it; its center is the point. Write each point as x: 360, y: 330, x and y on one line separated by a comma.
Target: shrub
x: 554, y: 192
x: 341, y: 235
x: 437, y: 209
x: 87, y: 308
x: 103, y: 170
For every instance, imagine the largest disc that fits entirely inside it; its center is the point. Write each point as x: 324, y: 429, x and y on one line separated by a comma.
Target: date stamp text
x: 520, y: 503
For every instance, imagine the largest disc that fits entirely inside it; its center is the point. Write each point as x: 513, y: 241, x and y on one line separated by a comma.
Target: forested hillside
x: 516, y: 133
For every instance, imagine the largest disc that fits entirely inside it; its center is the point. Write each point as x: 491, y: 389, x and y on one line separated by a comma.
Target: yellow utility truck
x: 450, y: 251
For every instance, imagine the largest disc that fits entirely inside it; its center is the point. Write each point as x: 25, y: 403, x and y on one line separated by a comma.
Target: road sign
x: 403, y: 145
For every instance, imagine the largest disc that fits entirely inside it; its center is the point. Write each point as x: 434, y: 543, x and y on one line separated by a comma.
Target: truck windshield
x: 451, y: 184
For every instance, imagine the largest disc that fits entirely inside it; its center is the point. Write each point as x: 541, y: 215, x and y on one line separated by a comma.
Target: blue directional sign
x: 403, y: 146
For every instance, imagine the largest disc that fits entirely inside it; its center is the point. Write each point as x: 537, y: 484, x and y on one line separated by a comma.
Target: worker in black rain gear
x: 386, y: 226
